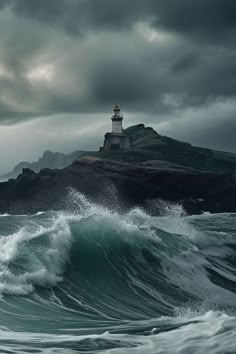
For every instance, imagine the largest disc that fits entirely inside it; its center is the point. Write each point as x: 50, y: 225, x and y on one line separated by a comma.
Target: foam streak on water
x: 97, y: 280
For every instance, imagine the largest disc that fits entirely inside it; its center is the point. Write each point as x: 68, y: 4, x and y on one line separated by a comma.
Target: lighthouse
x: 117, y: 121
x: 117, y: 139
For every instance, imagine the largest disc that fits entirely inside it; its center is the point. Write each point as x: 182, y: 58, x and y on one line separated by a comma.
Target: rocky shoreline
x: 119, y: 185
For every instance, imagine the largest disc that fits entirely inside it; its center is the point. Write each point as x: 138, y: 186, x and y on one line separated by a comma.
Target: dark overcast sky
x: 65, y: 63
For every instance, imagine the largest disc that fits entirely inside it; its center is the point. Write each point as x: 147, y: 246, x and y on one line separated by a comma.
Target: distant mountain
x: 48, y: 160
x: 148, y: 148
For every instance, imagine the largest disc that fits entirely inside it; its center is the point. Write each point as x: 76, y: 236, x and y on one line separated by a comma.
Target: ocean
x: 100, y: 280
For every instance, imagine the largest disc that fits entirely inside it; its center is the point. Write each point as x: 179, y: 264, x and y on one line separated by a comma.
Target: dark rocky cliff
x: 156, y: 167
x: 126, y: 185
x: 147, y: 145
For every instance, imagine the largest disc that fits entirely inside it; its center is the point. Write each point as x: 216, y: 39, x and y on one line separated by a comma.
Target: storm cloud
x: 161, y: 60
x: 204, y: 17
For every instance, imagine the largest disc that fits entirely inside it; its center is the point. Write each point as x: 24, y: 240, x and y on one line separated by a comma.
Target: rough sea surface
x: 101, y: 281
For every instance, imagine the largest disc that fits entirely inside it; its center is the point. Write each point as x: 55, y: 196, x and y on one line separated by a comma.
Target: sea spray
x: 101, y: 280
x: 39, y: 252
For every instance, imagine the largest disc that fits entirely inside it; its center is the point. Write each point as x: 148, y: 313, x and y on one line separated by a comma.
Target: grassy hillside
x: 149, y: 145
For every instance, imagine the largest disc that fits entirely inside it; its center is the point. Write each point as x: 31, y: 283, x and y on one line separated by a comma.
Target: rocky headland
x: 156, y: 168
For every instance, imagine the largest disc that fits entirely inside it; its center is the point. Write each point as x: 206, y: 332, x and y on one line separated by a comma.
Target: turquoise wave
x: 101, y: 281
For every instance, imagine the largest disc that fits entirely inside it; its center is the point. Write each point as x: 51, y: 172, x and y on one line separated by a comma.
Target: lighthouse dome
x: 116, y: 109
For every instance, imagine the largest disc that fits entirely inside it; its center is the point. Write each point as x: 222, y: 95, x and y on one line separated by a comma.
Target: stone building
x: 117, y: 139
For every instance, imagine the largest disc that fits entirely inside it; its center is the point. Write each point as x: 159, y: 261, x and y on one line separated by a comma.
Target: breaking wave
x: 102, y: 281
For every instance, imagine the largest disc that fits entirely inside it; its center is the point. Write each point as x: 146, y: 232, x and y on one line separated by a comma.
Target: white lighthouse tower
x: 117, y: 139
x: 117, y: 121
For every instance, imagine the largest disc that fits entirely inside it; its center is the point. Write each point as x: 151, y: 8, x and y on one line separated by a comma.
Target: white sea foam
x: 41, y: 265
x: 139, y: 266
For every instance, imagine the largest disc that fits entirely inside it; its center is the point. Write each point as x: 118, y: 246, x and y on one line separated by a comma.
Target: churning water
x: 99, y: 281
